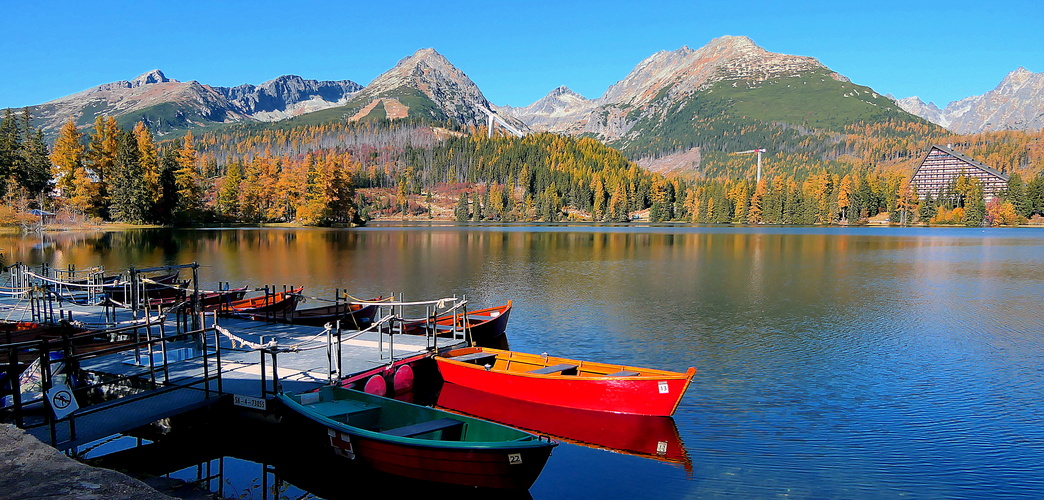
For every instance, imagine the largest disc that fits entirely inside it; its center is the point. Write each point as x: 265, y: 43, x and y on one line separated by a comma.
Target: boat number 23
x: 514, y: 458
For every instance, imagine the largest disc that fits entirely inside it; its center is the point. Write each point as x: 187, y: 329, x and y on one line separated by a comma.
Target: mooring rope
x: 243, y: 342
x: 67, y: 284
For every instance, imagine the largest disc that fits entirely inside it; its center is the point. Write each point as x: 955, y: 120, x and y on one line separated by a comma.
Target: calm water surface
x: 832, y: 363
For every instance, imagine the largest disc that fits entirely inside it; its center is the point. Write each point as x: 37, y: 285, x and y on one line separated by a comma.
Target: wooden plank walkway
x: 179, y: 384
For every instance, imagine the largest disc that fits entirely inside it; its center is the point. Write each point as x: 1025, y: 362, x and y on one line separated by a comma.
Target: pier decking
x: 172, y: 368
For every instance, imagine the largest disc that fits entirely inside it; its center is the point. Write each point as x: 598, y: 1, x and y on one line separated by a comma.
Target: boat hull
x: 451, y: 448
x: 655, y: 438
x: 489, y: 468
x: 483, y: 327
x: 350, y: 318
x: 655, y: 392
x: 278, y: 304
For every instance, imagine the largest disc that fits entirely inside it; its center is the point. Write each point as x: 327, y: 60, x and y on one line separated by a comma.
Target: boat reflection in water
x: 645, y: 436
x: 237, y: 456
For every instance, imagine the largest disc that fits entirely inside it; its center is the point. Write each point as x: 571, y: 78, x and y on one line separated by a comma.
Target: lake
x: 832, y: 362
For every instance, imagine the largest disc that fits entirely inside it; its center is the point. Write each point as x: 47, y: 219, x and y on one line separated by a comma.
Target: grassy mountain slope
x: 805, y: 112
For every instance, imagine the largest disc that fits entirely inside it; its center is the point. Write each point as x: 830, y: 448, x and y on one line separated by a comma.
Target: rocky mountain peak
x: 1015, y: 80
x: 735, y: 43
x: 564, y: 91
x: 686, y: 70
x: 434, y: 76
x: 149, y: 77
x: 1017, y: 103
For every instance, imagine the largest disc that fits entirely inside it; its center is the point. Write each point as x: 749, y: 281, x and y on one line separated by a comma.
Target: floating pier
x: 162, y: 363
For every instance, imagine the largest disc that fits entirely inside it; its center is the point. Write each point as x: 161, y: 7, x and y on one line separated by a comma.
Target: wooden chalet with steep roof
x: 941, y: 167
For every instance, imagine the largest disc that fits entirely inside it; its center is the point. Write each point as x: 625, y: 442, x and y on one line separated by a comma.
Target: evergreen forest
x: 345, y: 173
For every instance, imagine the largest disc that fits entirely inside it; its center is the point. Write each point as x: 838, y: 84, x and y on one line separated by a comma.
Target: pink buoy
x: 377, y: 386
x: 403, y: 380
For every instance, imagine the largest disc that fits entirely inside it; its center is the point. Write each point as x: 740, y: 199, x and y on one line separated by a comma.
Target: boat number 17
x: 514, y: 458
x: 663, y: 387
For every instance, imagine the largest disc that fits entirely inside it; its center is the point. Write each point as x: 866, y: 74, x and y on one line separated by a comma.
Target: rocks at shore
x: 30, y: 469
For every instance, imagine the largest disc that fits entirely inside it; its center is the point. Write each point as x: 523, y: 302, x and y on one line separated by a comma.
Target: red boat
x: 566, y: 382
x: 655, y: 438
x: 280, y: 303
x: 423, y: 443
x: 209, y: 299
x: 357, y: 316
x: 483, y: 327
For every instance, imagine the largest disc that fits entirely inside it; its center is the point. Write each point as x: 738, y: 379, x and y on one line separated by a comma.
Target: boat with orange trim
x: 269, y: 304
x: 570, y: 383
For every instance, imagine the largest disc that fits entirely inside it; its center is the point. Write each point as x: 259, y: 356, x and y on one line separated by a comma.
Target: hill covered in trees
x: 345, y: 172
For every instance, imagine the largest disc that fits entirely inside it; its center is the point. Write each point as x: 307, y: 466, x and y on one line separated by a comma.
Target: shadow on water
x: 243, y: 454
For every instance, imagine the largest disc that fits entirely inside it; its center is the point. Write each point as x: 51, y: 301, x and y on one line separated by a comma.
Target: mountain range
x: 728, y: 95
x: 168, y: 105
x: 1016, y: 104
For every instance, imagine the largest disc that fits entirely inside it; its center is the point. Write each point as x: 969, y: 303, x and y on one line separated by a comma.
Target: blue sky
x: 515, y: 51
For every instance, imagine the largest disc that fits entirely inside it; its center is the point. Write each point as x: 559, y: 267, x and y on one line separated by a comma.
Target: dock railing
x: 95, y: 395
x: 390, y: 321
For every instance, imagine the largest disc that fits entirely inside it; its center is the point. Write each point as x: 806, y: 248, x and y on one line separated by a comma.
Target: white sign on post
x: 61, y: 399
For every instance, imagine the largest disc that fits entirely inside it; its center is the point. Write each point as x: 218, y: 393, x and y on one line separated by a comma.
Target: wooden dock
x: 243, y: 359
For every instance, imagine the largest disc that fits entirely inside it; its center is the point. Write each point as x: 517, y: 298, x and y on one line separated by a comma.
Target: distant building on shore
x: 941, y: 166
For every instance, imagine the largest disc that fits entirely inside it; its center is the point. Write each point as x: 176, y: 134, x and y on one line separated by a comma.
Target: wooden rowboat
x: 208, y: 299
x: 156, y: 287
x: 565, y: 382
x: 423, y: 443
x: 483, y: 327
x: 644, y: 436
x: 280, y: 303
x: 356, y: 316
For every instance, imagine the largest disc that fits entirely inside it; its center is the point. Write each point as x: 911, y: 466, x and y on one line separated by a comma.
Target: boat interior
x: 391, y: 418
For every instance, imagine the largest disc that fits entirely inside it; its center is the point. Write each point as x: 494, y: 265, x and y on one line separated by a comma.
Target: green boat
x: 424, y: 443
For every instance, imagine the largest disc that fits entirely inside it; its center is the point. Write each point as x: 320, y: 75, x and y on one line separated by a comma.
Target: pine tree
x: 974, y: 205
x: 927, y: 209
x: 166, y: 204
x: 477, y: 212
x: 342, y: 197
x: 1016, y: 194
x: 36, y: 175
x: 462, y: 211
x: 130, y: 200
x: 10, y: 147
x: 228, y: 191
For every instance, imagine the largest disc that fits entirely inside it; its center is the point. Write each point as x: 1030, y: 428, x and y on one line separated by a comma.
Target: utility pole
x: 758, y: 151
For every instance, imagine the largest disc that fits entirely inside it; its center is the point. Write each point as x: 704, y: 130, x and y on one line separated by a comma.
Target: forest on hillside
x: 346, y: 173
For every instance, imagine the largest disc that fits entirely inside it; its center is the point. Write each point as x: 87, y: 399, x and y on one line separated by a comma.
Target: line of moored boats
x: 457, y: 443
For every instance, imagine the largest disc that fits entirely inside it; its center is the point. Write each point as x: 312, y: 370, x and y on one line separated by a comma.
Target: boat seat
x: 478, y: 358
x: 340, y: 410
x: 424, y: 427
x: 623, y: 373
x: 564, y: 368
